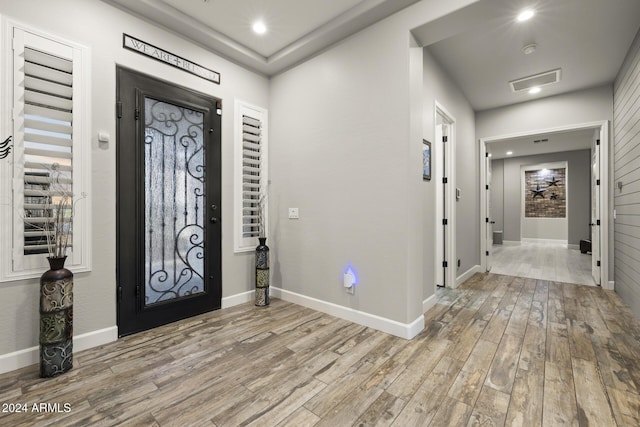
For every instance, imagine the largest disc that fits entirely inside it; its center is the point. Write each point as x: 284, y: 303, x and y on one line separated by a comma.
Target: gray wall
x: 439, y: 87
x: 345, y: 150
x: 509, y: 185
x: 100, y: 26
x: 626, y: 132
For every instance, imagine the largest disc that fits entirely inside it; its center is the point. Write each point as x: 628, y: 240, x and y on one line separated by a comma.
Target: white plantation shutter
x: 251, y: 176
x: 48, y: 144
x: 50, y: 112
x: 251, y: 179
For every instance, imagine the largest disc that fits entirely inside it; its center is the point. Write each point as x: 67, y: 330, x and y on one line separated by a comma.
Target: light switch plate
x: 294, y: 213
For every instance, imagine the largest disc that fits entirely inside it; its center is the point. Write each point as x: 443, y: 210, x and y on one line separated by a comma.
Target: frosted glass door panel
x: 174, y: 202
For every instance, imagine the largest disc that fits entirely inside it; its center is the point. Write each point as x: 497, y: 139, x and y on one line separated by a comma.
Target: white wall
x: 100, y: 27
x: 439, y: 87
x: 626, y: 131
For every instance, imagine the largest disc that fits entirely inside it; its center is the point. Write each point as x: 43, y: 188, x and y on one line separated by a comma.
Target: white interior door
x: 489, y: 221
x: 595, y: 207
x: 438, y: 173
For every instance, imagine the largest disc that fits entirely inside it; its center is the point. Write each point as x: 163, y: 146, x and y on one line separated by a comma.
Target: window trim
x: 14, y: 265
x: 240, y: 243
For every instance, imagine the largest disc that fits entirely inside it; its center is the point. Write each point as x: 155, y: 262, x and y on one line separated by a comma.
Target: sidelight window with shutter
x: 48, y: 80
x: 251, y: 174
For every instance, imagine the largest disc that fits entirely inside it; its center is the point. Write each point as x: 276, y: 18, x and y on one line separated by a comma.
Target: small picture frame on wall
x: 426, y: 160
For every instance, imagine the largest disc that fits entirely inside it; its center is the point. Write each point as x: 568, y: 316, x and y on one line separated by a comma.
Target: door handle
x: 213, y: 220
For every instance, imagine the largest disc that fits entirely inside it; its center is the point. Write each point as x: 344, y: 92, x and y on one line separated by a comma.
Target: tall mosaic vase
x: 56, y: 319
x: 262, y: 273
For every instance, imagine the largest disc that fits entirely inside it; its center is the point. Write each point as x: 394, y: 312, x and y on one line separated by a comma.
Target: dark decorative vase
x: 56, y: 319
x: 262, y: 272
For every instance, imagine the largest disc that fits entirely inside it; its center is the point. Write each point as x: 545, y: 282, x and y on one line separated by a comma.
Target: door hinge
x: 219, y: 108
x: 137, y: 114
x: 445, y: 180
x: 445, y: 264
x: 487, y: 253
x: 445, y: 139
x: 486, y: 220
x: 598, y: 222
x: 486, y: 154
x: 487, y: 187
x: 137, y: 291
x: 597, y: 142
x: 597, y: 182
x: 119, y: 109
x: 598, y: 263
x: 444, y: 221
x: 119, y: 293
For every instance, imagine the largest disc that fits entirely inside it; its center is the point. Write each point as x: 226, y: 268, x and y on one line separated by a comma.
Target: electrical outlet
x: 294, y: 213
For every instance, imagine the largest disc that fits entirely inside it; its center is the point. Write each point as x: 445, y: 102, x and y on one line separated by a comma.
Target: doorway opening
x: 444, y: 175
x: 596, y: 138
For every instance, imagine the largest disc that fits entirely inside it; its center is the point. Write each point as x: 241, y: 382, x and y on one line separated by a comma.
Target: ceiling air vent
x: 538, y: 80
x: 539, y: 141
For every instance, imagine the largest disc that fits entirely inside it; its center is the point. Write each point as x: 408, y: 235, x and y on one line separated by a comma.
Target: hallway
x: 544, y: 261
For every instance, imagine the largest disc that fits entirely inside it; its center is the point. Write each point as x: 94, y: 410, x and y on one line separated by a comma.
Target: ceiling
x: 587, y: 39
x: 479, y: 46
x: 297, y: 29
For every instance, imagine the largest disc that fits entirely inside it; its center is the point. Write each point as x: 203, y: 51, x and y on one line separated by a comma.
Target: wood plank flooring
x: 543, y: 260
x: 499, y: 350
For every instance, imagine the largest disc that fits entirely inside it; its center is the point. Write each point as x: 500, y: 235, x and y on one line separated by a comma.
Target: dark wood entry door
x: 168, y: 202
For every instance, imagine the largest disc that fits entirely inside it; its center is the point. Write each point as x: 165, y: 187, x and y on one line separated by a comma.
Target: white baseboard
x: 467, y: 274
x: 610, y: 285
x: 572, y: 246
x: 550, y: 241
x: 511, y: 243
x: 238, y: 299
x: 402, y: 330
x: 428, y: 303
x: 31, y: 356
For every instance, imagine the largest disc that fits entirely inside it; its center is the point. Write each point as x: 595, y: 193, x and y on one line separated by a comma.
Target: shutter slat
x: 250, y: 137
x: 46, y: 73
x: 42, y: 193
x: 48, y: 153
x: 46, y: 139
x: 30, y: 179
x: 52, y: 88
x: 48, y: 126
x: 35, y: 110
x: 47, y: 101
x: 48, y: 60
x: 246, y: 120
x: 252, y: 146
x: 46, y: 166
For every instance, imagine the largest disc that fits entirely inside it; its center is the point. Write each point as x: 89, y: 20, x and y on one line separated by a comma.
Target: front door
x: 168, y: 202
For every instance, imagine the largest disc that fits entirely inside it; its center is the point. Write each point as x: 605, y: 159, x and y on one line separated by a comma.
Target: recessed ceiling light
x: 509, y: 153
x: 534, y: 90
x: 259, y: 27
x: 525, y: 15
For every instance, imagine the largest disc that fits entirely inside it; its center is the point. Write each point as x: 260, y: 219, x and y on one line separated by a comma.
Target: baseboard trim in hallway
x: 402, y: 330
x: 31, y: 356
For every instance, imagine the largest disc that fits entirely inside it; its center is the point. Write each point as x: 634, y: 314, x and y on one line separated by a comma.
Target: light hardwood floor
x: 499, y: 350
x: 543, y: 260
